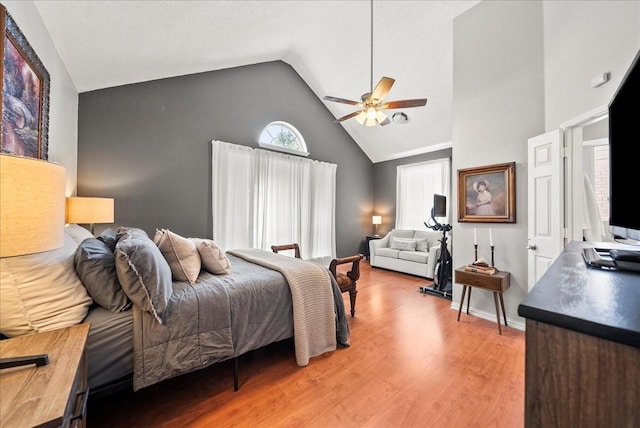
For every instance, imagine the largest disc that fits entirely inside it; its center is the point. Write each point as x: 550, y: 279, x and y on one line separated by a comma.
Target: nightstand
x: 497, y: 283
x: 51, y: 395
x: 369, y: 238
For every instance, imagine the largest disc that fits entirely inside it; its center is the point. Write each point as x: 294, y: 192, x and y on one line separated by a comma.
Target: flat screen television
x: 439, y: 206
x: 624, y: 127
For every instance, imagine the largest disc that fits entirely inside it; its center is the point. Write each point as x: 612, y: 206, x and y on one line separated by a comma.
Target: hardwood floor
x: 410, y: 364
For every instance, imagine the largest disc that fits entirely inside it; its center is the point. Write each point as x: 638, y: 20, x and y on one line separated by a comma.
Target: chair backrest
x: 294, y: 247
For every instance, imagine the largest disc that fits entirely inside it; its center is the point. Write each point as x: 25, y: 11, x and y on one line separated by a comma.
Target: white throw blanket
x: 314, y: 322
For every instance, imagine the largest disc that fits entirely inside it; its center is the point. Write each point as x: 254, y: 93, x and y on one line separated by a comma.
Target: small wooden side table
x: 52, y: 395
x: 498, y: 283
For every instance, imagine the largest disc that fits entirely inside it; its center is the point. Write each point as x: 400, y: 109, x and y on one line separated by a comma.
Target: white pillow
x: 422, y: 245
x: 77, y: 232
x: 40, y: 292
x: 404, y: 244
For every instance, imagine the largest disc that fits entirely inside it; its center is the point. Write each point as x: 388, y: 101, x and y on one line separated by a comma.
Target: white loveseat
x: 415, y: 252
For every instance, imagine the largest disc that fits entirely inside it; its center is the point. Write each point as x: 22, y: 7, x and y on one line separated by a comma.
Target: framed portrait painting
x: 487, y: 194
x: 25, y: 94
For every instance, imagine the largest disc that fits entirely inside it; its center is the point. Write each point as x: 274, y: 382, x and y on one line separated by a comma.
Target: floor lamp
x: 31, y: 216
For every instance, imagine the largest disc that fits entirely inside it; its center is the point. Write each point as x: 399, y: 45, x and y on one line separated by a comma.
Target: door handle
x: 532, y: 247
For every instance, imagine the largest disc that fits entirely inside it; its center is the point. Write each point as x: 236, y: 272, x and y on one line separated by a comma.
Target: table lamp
x: 31, y: 216
x: 89, y: 211
x: 31, y: 205
x: 376, y: 220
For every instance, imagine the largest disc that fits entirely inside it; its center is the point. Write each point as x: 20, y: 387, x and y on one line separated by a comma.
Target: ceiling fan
x: 371, y: 104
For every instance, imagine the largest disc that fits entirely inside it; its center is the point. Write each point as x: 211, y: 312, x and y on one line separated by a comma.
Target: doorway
x: 557, y: 162
x: 582, y: 136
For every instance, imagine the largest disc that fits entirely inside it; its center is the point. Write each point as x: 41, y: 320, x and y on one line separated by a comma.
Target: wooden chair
x: 295, y: 247
x: 346, y: 282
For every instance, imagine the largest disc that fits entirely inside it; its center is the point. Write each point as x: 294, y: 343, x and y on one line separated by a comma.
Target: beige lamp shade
x: 31, y: 205
x: 89, y: 210
x: 376, y: 220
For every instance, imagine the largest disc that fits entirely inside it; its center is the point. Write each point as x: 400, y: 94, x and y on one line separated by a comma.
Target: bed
x: 214, y: 317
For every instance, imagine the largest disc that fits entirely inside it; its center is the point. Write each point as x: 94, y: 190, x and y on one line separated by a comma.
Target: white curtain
x: 232, y: 195
x: 281, y: 199
x: 415, y: 186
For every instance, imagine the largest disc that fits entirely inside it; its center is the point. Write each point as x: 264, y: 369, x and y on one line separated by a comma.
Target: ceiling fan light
x: 371, y: 122
x: 380, y: 116
x: 371, y: 113
x: 361, y: 117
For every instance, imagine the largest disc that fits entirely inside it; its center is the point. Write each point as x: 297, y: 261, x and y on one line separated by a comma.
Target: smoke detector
x: 400, y: 118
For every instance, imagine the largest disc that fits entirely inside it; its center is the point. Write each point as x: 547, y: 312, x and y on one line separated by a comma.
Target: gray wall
x: 498, y: 103
x: 148, y: 146
x: 384, y: 185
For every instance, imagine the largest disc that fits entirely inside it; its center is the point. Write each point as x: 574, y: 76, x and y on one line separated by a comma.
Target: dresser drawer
x: 496, y: 282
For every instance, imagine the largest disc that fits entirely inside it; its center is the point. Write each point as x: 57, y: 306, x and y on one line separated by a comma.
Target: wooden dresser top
x: 37, y: 396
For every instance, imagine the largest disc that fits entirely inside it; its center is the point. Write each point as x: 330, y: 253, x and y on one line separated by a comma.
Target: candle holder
x: 492, y: 248
x: 475, y: 248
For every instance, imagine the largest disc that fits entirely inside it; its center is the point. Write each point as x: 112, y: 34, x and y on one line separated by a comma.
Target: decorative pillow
x: 96, y: 266
x: 422, y: 245
x: 404, y: 244
x: 40, y: 292
x: 180, y: 253
x: 144, y: 274
x: 109, y: 237
x: 213, y: 258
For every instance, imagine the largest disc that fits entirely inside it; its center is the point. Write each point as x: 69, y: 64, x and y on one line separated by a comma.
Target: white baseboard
x: 490, y: 316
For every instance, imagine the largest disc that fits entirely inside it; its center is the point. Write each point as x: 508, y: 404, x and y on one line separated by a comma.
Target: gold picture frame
x: 25, y: 94
x: 487, y: 194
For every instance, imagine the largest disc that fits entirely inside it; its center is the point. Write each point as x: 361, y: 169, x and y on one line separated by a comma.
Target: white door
x: 545, y: 203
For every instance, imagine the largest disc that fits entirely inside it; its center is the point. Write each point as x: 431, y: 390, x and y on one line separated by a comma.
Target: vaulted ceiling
x: 110, y: 43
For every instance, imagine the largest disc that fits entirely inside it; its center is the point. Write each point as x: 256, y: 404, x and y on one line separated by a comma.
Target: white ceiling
x: 110, y: 43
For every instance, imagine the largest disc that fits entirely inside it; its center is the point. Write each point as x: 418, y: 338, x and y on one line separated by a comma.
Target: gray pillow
x: 144, y: 274
x: 110, y: 238
x: 130, y: 232
x: 96, y: 267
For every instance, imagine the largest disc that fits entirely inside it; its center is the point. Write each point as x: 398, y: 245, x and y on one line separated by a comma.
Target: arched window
x: 283, y: 137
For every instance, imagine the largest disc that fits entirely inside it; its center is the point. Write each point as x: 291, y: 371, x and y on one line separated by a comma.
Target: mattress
x: 109, y: 348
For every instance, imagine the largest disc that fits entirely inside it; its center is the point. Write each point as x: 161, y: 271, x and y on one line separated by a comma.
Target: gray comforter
x: 217, y: 318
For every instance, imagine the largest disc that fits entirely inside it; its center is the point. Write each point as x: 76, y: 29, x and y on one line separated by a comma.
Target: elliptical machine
x: 443, y: 272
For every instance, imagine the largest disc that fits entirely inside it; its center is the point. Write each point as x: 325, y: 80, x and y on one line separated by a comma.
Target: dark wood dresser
x: 582, y: 364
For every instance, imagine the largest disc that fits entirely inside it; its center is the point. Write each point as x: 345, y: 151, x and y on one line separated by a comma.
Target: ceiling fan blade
x: 341, y: 100
x: 382, y: 89
x: 349, y: 116
x: 418, y: 102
